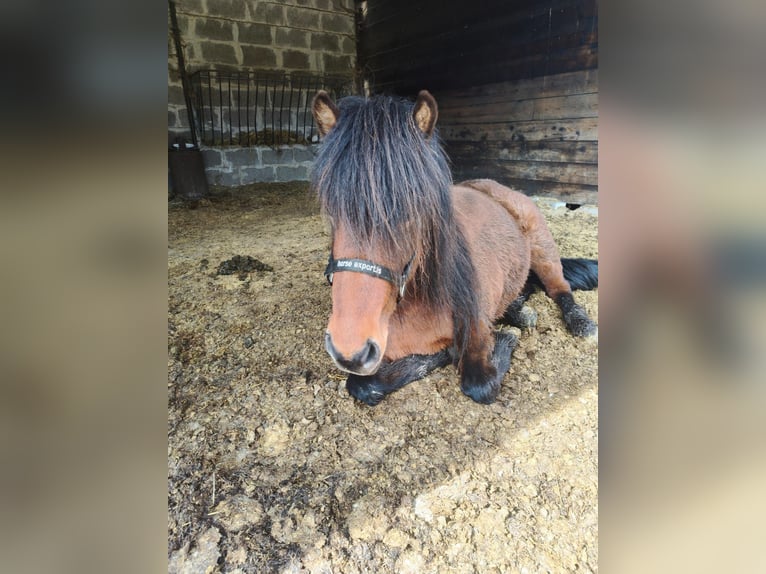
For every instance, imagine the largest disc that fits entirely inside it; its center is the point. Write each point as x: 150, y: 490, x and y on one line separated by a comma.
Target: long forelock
x: 378, y: 176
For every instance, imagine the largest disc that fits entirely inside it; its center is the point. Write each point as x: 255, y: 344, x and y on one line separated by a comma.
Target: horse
x: 421, y: 269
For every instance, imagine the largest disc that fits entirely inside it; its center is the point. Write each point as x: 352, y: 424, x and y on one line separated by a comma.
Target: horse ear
x: 325, y: 112
x: 425, y: 112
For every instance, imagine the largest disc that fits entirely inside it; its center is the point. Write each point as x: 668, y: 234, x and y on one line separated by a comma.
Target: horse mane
x: 378, y: 176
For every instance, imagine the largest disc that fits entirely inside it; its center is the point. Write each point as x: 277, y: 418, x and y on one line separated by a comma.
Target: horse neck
x: 444, y: 265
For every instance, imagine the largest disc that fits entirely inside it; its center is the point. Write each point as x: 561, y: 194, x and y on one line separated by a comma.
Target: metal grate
x: 248, y: 108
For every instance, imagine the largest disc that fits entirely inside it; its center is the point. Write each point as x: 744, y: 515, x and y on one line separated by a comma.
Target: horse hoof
x: 480, y: 386
x: 527, y: 318
x: 579, y: 324
x: 364, y: 390
x: 485, y: 395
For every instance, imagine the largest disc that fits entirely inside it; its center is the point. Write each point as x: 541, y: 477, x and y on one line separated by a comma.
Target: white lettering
x: 359, y: 265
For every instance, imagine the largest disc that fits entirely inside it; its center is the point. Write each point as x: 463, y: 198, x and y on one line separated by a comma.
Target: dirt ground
x: 273, y: 467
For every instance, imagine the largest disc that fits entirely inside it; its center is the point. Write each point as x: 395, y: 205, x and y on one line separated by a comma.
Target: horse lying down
x: 421, y: 269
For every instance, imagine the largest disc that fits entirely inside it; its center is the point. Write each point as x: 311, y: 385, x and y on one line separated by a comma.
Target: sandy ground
x: 273, y: 467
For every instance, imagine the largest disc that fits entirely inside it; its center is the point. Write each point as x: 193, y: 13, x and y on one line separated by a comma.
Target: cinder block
x: 272, y: 156
x: 302, y: 18
x: 257, y: 175
x: 225, y: 178
x: 242, y: 157
x: 226, y: 8
x: 294, y: 60
x: 176, y: 95
x: 272, y: 14
x: 325, y: 42
x: 255, y: 34
x: 304, y: 153
x: 337, y: 23
x: 211, y: 158
x: 194, y: 6
x: 184, y: 23
x: 172, y: 119
x: 214, y: 30
x: 220, y: 53
x: 291, y: 38
x: 292, y: 173
x: 348, y: 46
x: 258, y: 57
x: 336, y: 64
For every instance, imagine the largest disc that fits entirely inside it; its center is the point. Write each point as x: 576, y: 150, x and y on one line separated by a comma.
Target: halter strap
x: 370, y: 268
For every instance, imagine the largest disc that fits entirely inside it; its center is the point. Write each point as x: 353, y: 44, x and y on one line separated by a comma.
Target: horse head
x: 366, y: 175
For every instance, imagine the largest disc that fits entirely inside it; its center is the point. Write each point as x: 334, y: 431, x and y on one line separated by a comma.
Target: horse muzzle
x: 365, y: 361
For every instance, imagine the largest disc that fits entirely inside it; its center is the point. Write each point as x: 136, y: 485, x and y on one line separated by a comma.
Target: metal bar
x: 290, y: 113
x: 182, y: 68
x: 255, y: 119
x: 231, y: 126
x: 220, y: 103
x: 282, y: 108
x: 303, y: 99
x: 239, y: 111
x: 247, y: 110
x: 273, y: 108
x: 212, y: 114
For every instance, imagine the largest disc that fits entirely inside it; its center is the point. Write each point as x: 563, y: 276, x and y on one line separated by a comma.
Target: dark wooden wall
x: 516, y: 82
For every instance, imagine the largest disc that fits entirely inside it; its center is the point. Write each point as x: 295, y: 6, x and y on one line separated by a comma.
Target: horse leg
x: 480, y: 380
x: 394, y: 375
x: 546, y: 264
x: 518, y: 314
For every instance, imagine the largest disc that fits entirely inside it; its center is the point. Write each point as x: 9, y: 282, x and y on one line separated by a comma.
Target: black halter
x: 372, y: 269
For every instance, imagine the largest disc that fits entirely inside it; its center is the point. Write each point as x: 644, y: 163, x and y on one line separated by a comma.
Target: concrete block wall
x: 290, y: 35
x: 230, y: 166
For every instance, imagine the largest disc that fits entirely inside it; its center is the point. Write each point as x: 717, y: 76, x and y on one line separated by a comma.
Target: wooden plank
x: 583, y: 194
x: 491, y: 26
x: 569, y: 173
x: 562, y: 152
x: 568, y: 83
x: 573, y: 173
x: 476, y: 51
x: 460, y: 74
x: 580, y: 105
x: 428, y: 23
x: 493, y: 113
x: 579, y: 129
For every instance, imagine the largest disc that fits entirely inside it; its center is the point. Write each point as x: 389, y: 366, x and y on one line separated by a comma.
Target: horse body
x: 461, y: 254
x: 417, y: 327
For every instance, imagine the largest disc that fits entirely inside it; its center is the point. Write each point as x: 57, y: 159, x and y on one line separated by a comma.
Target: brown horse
x: 421, y: 269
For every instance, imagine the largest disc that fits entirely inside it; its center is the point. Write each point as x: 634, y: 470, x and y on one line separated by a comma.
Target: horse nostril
x: 371, y: 354
x: 361, y: 363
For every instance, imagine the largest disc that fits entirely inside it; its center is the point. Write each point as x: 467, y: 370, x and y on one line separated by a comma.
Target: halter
x: 372, y: 269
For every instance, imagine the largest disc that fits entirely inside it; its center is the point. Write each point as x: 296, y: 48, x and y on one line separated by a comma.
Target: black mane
x: 380, y: 177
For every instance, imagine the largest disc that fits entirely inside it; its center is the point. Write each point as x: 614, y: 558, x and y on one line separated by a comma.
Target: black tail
x: 582, y: 274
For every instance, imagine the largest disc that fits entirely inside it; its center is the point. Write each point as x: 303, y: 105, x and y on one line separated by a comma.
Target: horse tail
x: 581, y: 273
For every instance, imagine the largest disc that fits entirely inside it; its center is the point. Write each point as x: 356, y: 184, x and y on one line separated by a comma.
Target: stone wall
x: 229, y: 166
x: 290, y: 35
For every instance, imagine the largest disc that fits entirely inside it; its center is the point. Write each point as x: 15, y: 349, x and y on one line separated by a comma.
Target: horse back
x: 497, y: 242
